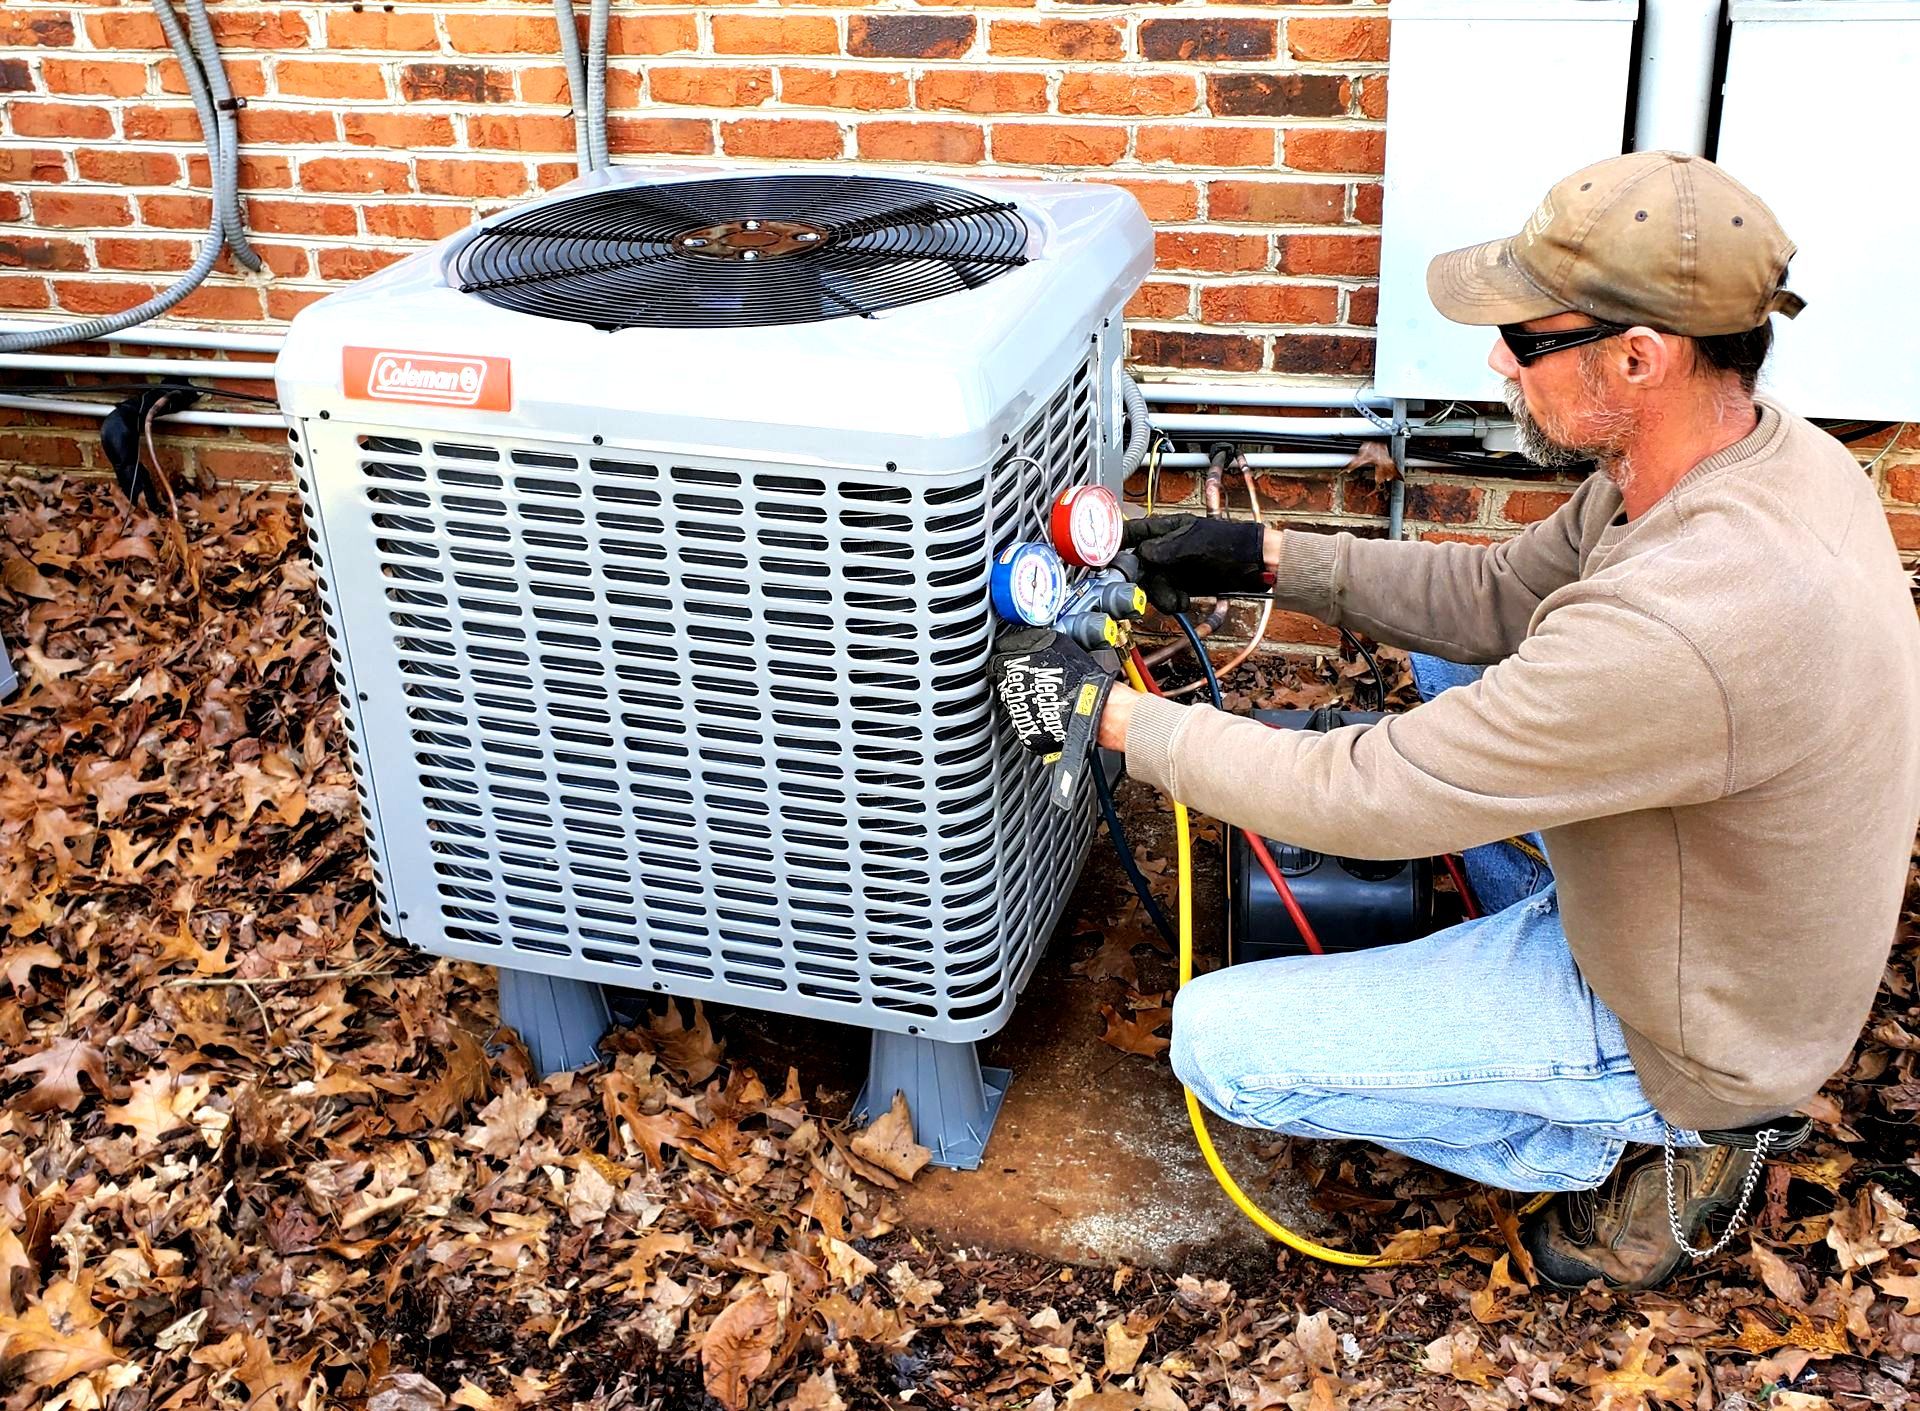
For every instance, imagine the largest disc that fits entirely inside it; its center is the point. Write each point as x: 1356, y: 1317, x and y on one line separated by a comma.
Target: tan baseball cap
x: 1654, y: 238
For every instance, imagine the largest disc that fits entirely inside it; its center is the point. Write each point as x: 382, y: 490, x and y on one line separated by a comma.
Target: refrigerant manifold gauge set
x: 1032, y: 584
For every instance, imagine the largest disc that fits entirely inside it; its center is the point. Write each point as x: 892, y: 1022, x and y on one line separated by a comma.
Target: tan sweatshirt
x: 1712, y: 713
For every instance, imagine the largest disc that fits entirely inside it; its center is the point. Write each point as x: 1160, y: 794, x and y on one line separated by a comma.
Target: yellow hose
x: 1272, y: 1227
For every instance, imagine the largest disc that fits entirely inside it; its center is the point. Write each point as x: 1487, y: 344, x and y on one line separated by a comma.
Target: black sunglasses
x: 1528, y: 348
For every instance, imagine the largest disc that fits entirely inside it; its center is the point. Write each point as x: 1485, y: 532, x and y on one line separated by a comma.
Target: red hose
x: 1257, y: 845
x: 1254, y: 843
x: 1460, y: 883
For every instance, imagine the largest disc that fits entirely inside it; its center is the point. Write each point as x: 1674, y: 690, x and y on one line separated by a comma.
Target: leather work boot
x: 1623, y: 1232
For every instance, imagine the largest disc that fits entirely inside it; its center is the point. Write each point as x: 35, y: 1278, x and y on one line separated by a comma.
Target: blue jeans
x: 1478, y: 1049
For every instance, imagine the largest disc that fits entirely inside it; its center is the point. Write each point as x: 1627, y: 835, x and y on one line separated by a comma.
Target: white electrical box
x: 1493, y: 102
x: 1821, y: 111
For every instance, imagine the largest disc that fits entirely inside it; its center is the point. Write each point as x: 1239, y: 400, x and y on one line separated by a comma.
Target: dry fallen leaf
x: 1634, y: 1381
x: 1905, y: 1286
x: 57, y: 1070
x: 1458, y: 1355
x: 58, y: 1337
x: 816, y: 1393
x: 1317, y: 1341
x: 888, y: 1142
x: 1865, y: 1230
x: 405, y: 1391
x: 187, y: 897
x: 1758, y: 1335
x: 1135, y: 1034
x: 507, y: 1121
x: 19, y: 963
x: 1124, y: 1344
x: 738, y: 1349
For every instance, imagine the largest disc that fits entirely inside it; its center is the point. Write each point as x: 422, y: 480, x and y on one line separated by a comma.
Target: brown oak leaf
x: 57, y: 1070
x: 738, y: 1348
x: 888, y: 1142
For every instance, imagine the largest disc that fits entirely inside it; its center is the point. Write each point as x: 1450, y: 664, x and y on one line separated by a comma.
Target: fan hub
x: 751, y: 239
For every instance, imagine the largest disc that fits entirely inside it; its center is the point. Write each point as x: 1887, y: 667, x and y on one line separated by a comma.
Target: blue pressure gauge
x: 1029, y: 584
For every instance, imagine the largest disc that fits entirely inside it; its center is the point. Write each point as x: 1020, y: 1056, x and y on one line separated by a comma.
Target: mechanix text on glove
x: 1052, y: 692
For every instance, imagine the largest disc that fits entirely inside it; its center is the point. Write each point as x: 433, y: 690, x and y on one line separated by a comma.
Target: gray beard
x: 1534, y: 442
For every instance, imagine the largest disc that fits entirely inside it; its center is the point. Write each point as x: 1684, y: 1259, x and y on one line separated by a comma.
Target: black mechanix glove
x: 1052, y: 693
x: 1189, y: 553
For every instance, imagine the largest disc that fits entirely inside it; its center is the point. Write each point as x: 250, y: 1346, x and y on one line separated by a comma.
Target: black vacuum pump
x: 1351, y: 903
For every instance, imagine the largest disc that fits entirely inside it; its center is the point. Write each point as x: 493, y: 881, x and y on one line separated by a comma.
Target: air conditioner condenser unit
x: 653, y: 521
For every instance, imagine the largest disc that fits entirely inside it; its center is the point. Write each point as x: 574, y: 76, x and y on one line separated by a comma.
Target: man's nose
x: 1500, y: 358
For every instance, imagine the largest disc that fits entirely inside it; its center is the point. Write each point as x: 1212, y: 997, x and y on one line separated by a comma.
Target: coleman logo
x: 433, y: 379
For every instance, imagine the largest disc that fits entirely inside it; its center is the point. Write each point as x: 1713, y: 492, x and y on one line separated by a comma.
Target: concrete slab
x: 1092, y: 1158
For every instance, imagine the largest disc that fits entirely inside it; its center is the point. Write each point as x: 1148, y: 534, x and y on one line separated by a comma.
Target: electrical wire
x: 1183, y: 849
x: 1892, y: 441
x: 1847, y: 432
x: 1122, y: 846
x: 1260, y: 628
x: 1379, y: 681
x: 1153, y: 468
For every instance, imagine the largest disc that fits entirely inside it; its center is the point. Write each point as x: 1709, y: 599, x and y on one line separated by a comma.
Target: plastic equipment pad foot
x: 559, y: 1020
x: 952, y: 1099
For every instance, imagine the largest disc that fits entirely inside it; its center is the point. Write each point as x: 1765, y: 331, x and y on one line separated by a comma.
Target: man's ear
x: 1647, y: 358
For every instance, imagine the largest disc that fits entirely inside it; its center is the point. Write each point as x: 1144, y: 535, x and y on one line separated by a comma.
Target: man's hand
x: 1181, y: 554
x: 1052, y: 693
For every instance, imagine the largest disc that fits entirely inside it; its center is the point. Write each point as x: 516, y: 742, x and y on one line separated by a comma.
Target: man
x: 1702, y: 687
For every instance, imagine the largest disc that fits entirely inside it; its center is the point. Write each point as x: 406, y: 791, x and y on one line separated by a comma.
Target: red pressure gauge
x: 1085, y: 525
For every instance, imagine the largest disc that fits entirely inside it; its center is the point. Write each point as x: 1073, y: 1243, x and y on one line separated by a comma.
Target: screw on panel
x: 326, y: 416
x: 599, y: 440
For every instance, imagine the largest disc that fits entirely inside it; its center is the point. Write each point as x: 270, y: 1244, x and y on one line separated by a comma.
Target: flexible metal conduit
x: 217, y: 128
x: 597, y: 86
x: 1139, y: 429
x: 226, y: 186
x: 564, y: 16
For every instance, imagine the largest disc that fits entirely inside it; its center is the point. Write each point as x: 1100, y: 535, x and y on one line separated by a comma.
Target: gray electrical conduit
x: 597, y: 85
x: 226, y: 185
x: 210, y: 248
x: 564, y: 16
x: 1138, y: 429
x: 27, y: 340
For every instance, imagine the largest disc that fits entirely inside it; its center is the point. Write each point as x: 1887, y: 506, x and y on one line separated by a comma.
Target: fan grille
x: 742, y: 252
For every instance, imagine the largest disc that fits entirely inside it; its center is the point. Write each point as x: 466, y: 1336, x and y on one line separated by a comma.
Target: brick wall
x: 1251, y: 133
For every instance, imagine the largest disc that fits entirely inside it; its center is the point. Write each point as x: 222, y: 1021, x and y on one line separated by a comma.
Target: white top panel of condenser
x: 1492, y: 101
x: 1821, y: 111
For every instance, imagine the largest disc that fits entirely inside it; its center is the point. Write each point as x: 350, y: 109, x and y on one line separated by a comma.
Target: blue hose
x: 1125, y: 849
x: 1206, y: 662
